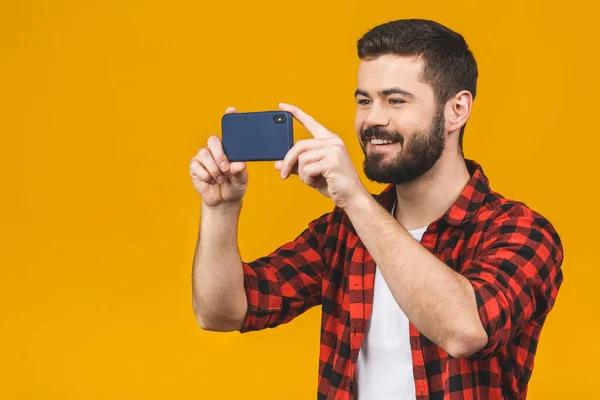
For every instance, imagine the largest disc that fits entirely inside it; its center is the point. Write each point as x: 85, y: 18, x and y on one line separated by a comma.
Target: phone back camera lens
x: 279, y: 118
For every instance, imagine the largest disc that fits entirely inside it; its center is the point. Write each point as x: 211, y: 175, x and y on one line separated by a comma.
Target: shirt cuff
x: 495, y: 314
x: 263, y: 309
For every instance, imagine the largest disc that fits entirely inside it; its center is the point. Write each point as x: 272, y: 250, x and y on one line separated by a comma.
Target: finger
x: 311, y: 125
x: 291, y: 158
x: 279, y: 165
x: 216, y: 148
x: 310, y: 157
x: 314, y: 169
x: 199, y: 172
x: 231, y: 110
x: 310, y: 173
x: 208, y: 162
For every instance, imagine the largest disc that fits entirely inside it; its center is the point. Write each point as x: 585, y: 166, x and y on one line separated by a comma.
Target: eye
x: 363, y: 102
x: 397, y: 101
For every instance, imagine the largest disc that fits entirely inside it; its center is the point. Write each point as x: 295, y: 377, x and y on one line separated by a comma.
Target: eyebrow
x: 386, y: 92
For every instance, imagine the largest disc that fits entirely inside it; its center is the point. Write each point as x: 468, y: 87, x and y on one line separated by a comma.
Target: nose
x: 376, y: 117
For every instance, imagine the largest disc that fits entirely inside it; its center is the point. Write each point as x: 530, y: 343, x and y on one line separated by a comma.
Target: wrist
x: 359, y: 202
x: 226, y: 208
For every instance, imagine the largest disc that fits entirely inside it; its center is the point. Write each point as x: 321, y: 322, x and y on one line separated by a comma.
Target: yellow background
x: 102, y: 105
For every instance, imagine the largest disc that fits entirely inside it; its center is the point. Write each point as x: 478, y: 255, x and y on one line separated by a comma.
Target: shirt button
x: 351, y: 387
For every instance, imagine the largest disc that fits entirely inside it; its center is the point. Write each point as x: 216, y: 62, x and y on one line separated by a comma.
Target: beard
x: 422, y: 151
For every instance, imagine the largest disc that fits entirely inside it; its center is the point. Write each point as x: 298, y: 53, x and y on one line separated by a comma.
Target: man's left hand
x: 322, y: 162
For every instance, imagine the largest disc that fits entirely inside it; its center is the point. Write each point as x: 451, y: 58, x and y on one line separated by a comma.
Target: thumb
x: 238, y: 173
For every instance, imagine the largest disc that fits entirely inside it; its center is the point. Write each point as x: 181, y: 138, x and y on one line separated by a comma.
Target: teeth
x: 381, y: 141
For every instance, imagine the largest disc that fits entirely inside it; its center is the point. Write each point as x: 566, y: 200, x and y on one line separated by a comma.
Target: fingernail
x: 282, y: 174
x: 221, y: 179
x: 224, y: 166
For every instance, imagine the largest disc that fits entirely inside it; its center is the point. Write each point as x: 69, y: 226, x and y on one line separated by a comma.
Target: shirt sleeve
x: 516, y: 277
x: 287, y: 282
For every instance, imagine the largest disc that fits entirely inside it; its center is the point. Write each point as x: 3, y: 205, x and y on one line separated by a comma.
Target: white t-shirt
x: 384, y: 369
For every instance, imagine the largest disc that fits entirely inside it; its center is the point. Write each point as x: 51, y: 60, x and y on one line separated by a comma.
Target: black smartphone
x: 257, y: 136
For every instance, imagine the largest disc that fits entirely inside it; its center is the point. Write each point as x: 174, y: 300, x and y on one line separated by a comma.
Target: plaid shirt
x: 510, y: 254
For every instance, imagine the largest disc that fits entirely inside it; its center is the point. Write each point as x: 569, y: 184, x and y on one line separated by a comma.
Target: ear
x: 457, y: 110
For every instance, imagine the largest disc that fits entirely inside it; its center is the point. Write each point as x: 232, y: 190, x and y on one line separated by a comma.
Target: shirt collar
x: 468, y: 203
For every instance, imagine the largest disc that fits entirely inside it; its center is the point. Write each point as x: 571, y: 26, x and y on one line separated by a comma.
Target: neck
x: 424, y: 200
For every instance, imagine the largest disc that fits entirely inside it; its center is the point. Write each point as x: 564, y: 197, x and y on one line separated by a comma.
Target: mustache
x: 377, y: 132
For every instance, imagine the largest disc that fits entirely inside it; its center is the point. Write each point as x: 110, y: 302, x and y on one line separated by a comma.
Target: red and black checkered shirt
x: 510, y: 254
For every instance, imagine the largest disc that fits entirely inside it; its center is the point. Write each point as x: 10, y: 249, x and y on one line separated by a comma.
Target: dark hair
x: 449, y: 65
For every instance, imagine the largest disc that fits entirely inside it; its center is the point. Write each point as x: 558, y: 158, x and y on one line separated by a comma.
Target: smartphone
x: 257, y: 136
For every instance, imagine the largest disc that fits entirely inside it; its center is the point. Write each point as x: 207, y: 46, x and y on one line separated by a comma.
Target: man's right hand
x: 220, y: 183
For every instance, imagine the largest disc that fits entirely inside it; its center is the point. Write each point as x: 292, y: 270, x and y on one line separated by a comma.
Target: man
x: 438, y: 287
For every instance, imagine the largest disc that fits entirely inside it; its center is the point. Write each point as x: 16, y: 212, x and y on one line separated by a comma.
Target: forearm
x: 438, y: 301
x: 219, y: 298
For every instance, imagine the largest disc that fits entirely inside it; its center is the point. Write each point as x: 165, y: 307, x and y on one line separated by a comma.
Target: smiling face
x: 400, y: 126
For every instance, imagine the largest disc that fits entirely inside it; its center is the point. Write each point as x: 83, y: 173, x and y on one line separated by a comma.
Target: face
x: 399, y: 124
